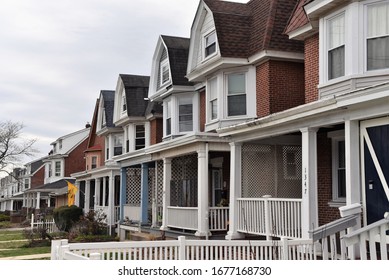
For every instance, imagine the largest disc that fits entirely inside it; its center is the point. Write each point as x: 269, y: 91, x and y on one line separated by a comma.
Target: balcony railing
x: 271, y: 217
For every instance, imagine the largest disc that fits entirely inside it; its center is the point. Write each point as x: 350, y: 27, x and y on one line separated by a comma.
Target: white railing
x: 272, y: 217
x: 369, y: 238
x: 182, y: 217
x: 218, y: 218
x: 131, y: 212
x: 48, y: 224
x: 183, y: 249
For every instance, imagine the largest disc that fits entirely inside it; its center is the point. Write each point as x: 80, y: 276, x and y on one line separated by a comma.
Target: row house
x: 342, y: 125
x: 11, y: 190
x: 236, y: 67
x: 99, y: 182
x: 66, y: 157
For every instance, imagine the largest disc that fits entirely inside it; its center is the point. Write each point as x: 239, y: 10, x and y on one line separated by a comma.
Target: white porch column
x: 309, y: 211
x: 97, y: 192
x: 111, y: 201
x: 24, y: 200
x: 353, y: 183
x: 38, y: 200
x: 87, y: 196
x: 202, y: 189
x: 235, y: 189
x: 167, y: 175
x: 104, y: 191
x: 77, y: 198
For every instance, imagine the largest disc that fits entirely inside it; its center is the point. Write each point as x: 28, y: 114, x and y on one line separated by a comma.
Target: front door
x: 375, y: 157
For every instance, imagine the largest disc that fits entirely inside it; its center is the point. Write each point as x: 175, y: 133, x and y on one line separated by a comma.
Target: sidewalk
x: 28, y: 257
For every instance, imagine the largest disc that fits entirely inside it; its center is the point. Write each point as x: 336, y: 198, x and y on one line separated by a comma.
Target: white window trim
x: 123, y: 101
x: 209, y: 100
x: 164, y: 63
x: 225, y: 94
x: 204, y: 41
x: 336, y: 137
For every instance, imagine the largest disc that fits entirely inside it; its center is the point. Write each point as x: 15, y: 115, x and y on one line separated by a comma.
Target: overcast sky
x: 56, y: 56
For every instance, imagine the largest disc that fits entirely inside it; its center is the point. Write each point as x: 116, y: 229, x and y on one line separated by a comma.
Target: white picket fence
x: 47, y: 224
x: 185, y: 249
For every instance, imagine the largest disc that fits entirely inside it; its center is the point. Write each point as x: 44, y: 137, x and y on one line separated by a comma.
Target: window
x: 210, y: 44
x: 57, y: 168
x: 103, y: 122
x: 336, y: 47
x: 124, y: 102
x: 185, y: 115
x: 236, y: 95
x: 213, y: 99
x: 94, y: 162
x: 118, y: 145
x: 26, y: 184
x: 338, y: 166
x: 168, y: 120
x: 378, y: 36
x: 140, y: 138
x: 165, y: 75
x: 50, y: 171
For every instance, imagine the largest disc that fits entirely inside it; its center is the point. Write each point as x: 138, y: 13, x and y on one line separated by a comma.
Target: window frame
x: 139, y: 138
x: 331, y: 49
x: 57, y: 169
x: 337, y: 137
x: 212, y: 100
x: 227, y: 94
x: 206, y: 46
x: 123, y: 103
x: 184, y: 101
x: 168, y: 117
x: 164, y: 63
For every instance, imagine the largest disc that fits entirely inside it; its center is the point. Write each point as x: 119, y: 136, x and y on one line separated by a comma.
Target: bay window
x: 236, y: 94
x: 336, y: 47
x: 378, y: 36
x: 185, y: 114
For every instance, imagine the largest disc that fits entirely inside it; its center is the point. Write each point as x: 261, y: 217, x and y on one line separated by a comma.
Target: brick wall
x: 311, y: 52
x: 324, y: 178
x: 75, y: 162
x: 38, y: 179
x: 280, y: 86
x: 202, y: 110
x: 156, y: 131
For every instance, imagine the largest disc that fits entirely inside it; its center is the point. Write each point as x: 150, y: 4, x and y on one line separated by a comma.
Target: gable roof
x: 178, y: 51
x: 298, y: 18
x: 136, y: 88
x: 245, y: 29
x: 109, y: 103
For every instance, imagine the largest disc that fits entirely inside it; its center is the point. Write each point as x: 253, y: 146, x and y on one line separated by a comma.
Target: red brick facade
x: 324, y: 180
x: 156, y: 131
x: 76, y: 161
x: 280, y: 86
x: 38, y: 179
x: 311, y: 53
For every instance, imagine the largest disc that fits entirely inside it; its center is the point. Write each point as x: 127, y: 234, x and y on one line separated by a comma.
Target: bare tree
x: 13, y: 148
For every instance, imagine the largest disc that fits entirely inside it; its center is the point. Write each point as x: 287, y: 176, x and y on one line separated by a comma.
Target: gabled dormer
x: 170, y: 87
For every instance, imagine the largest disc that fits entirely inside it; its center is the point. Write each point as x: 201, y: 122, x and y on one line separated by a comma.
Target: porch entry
x: 375, y: 160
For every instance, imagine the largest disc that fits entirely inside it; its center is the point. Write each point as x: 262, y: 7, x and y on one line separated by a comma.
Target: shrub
x: 92, y: 224
x: 65, y: 217
x: 4, y: 218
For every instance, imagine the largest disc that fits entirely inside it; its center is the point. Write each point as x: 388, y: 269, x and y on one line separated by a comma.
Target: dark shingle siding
x: 136, y: 88
x: 109, y: 104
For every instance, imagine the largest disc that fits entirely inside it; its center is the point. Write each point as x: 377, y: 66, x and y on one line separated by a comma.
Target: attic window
x: 124, y: 102
x: 210, y: 44
x: 165, y: 77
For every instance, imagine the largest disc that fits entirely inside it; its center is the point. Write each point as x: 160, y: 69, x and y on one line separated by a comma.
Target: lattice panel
x: 151, y: 182
x: 159, y: 183
x: 271, y: 170
x: 133, y: 186
x: 183, y: 187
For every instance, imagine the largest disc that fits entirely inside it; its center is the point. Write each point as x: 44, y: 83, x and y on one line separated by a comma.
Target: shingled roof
x: 178, y: 50
x: 109, y: 103
x: 298, y: 18
x: 136, y: 88
x: 246, y: 29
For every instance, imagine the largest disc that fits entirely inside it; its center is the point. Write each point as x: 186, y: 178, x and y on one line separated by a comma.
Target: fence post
x: 32, y: 221
x: 268, y: 229
x: 285, y: 249
x: 181, y: 247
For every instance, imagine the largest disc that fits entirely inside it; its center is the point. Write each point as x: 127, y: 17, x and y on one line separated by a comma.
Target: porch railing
x: 185, y: 249
x: 218, y: 218
x: 271, y: 217
x: 182, y: 217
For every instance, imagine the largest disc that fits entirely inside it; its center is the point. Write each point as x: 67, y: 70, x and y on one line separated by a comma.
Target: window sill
x: 337, y: 203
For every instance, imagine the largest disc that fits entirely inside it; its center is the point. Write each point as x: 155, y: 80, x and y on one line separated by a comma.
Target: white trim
x: 336, y: 137
x: 164, y: 63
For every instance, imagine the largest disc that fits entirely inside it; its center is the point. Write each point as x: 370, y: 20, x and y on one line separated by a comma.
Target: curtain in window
x: 336, y: 34
x: 185, y: 117
x: 213, y: 98
x: 378, y: 36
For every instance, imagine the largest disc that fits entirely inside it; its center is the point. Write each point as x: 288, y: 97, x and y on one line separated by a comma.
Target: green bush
x: 65, y: 217
x: 4, y: 218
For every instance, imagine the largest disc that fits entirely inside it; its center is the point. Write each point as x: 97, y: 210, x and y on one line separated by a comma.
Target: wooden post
x: 285, y: 249
x: 181, y: 248
x: 268, y: 223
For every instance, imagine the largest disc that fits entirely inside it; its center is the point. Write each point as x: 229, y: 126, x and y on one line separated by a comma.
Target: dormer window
x: 336, y: 47
x: 378, y: 36
x: 124, y: 102
x: 165, y: 75
x: 210, y: 44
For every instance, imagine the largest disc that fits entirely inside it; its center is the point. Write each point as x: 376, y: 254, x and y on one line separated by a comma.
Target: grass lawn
x: 13, y: 243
